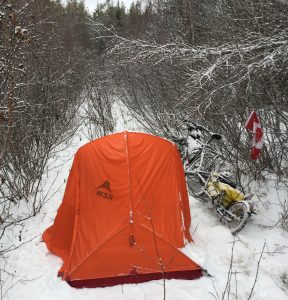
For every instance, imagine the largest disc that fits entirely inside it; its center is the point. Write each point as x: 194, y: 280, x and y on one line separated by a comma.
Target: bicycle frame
x: 200, y: 153
x: 201, y: 175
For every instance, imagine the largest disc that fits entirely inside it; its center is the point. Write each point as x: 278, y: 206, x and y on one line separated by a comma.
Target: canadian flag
x: 253, y: 124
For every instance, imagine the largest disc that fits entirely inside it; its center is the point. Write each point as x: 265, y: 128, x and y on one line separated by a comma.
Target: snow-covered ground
x: 33, y: 270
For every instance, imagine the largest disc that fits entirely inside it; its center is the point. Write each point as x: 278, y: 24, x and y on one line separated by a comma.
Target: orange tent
x: 124, y: 215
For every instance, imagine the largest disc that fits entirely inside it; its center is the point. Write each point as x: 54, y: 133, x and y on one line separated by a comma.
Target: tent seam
x: 129, y: 176
x: 108, y: 238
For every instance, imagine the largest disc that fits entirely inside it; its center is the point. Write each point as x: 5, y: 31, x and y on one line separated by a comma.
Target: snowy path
x: 34, y: 269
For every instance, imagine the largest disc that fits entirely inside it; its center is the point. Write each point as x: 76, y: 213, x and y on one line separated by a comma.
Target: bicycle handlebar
x: 196, y: 126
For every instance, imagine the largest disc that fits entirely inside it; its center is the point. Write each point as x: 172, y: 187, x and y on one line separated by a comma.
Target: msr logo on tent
x: 104, y: 191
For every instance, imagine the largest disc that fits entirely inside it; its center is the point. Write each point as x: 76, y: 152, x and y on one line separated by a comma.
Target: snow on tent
x: 124, y: 214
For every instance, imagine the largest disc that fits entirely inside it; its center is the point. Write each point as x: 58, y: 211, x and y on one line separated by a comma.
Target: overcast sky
x: 91, y: 4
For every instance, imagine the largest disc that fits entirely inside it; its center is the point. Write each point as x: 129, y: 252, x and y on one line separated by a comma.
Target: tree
x: 40, y: 77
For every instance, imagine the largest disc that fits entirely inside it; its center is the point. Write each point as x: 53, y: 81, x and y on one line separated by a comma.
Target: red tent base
x: 135, y: 278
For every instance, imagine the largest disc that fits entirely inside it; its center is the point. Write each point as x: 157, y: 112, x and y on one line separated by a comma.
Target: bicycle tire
x: 241, y: 217
x: 195, y: 186
x: 209, y: 163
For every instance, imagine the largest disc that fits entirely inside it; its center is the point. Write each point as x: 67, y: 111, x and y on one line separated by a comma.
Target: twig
x: 214, y: 290
x: 156, y: 245
x: 227, y: 287
x: 213, y: 295
x: 1, y: 291
x: 195, y: 229
x: 236, y: 290
x: 256, y: 276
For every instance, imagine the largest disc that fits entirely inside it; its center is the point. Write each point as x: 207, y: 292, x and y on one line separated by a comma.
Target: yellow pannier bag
x: 230, y: 194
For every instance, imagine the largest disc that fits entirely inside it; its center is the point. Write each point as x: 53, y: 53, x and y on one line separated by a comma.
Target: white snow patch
x: 34, y: 269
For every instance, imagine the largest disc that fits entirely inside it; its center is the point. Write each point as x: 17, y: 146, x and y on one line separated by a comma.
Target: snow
x: 34, y: 269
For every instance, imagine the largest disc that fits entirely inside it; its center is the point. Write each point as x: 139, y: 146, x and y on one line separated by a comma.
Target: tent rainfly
x: 124, y: 215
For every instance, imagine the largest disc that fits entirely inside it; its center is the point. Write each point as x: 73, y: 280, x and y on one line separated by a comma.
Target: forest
x: 165, y: 61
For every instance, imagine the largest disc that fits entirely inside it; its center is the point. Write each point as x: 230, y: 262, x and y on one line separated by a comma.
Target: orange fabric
x: 103, y: 226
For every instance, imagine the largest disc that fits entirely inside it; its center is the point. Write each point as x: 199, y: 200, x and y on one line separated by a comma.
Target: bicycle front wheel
x: 238, y: 216
x: 212, y: 162
x: 196, y: 186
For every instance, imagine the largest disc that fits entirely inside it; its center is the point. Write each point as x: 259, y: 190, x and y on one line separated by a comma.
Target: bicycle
x: 207, y: 179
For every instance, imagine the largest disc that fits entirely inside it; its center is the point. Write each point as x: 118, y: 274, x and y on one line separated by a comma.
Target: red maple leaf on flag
x: 253, y: 125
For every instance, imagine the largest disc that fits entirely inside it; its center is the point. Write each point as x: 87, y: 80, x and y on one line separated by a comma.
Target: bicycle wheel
x: 196, y: 187
x: 208, y: 164
x: 211, y: 163
x: 238, y: 217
